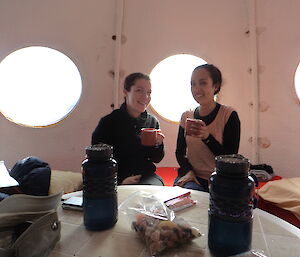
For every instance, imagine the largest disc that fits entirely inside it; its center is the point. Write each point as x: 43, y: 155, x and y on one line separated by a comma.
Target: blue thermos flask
x: 231, y: 203
x: 100, y: 203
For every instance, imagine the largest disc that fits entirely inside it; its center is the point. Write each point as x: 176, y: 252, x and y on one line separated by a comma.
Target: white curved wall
x: 82, y: 30
x: 153, y: 30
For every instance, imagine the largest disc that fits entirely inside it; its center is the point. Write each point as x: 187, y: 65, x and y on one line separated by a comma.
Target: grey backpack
x: 29, y: 225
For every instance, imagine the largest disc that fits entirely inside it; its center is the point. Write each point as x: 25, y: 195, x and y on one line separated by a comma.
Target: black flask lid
x: 99, y: 152
x: 232, y: 165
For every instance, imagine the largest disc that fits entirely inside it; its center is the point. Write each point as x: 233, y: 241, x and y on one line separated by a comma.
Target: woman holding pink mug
x: 209, y: 130
x: 122, y: 129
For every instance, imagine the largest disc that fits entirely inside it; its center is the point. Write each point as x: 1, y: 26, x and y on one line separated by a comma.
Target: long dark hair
x: 215, y: 74
x: 131, y: 79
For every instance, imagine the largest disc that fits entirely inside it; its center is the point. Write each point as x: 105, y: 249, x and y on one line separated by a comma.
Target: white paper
x: 172, y: 193
x: 69, y: 195
x: 5, y: 179
x: 74, y: 202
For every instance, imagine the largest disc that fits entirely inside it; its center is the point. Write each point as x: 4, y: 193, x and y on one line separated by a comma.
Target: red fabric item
x: 279, y: 212
x: 275, y: 210
x: 168, y: 174
x: 260, y: 184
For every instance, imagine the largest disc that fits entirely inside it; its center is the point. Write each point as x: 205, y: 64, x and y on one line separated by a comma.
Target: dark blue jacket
x: 122, y: 131
x: 33, y: 176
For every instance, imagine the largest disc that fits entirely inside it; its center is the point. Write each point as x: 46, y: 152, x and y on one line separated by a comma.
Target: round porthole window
x: 171, y: 86
x: 39, y: 86
x: 297, y: 81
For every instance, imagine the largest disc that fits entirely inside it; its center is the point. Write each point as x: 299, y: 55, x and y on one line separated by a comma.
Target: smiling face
x: 138, y: 97
x: 202, y: 86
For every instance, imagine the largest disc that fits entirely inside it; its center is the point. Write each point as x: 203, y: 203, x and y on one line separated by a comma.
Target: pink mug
x: 149, y: 136
x: 191, y: 125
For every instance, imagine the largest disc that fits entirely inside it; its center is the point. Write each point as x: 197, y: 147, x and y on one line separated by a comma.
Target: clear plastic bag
x: 156, y: 224
x: 252, y: 253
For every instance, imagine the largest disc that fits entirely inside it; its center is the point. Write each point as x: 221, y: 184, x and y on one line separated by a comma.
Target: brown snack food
x: 160, y: 235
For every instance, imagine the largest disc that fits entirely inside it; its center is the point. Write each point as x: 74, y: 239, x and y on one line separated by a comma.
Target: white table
x: 274, y: 236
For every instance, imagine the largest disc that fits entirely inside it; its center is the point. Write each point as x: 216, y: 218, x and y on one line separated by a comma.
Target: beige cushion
x: 65, y: 181
x: 284, y: 193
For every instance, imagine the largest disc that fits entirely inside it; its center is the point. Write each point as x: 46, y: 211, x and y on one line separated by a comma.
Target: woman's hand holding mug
x: 196, y: 128
x: 151, y: 137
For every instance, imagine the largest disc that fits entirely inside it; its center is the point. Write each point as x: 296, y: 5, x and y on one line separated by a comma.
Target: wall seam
x: 254, y: 80
x: 118, y: 50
